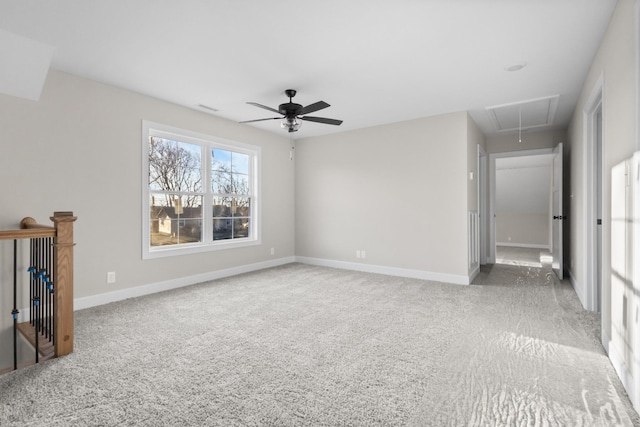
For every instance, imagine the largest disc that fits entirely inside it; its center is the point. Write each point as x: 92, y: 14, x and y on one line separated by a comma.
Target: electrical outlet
x: 111, y: 277
x: 357, y: 254
x: 273, y: 251
x: 363, y: 254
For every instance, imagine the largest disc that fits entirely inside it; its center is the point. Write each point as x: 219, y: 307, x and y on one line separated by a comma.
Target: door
x: 558, y: 214
x: 635, y: 263
x: 599, y: 182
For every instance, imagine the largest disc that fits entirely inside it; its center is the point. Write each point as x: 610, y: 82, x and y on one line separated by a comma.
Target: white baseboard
x: 523, y: 245
x: 605, y: 341
x: 152, y: 288
x: 578, y: 289
x: 390, y: 271
x: 474, y: 273
x: 621, y: 368
x: 105, y: 298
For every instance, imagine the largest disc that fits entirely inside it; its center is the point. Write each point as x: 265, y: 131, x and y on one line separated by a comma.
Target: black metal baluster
x: 45, y: 303
x: 52, y: 272
x: 41, y: 273
x: 45, y: 291
x: 32, y: 276
x: 39, y: 296
x: 36, y: 303
x: 15, y: 311
x: 50, y: 290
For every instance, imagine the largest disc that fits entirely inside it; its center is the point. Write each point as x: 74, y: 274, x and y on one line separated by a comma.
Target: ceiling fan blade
x: 263, y: 106
x: 322, y: 120
x: 261, y: 120
x: 313, y: 107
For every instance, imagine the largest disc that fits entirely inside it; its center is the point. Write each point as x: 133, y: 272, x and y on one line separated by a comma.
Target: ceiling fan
x: 293, y: 112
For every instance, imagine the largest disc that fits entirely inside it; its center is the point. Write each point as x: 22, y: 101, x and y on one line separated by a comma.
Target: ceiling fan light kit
x: 293, y: 113
x: 292, y: 124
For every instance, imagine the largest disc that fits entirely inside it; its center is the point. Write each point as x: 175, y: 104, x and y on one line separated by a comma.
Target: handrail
x: 29, y: 229
x: 54, y: 246
x: 29, y: 233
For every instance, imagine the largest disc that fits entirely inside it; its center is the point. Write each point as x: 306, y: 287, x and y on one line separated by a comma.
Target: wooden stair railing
x: 49, y: 328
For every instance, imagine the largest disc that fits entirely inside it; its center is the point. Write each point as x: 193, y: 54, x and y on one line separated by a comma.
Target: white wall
x: 79, y: 149
x: 531, y: 140
x: 523, y: 229
x: 614, y: 65
x: 475, y: 139
x: 397, y: 191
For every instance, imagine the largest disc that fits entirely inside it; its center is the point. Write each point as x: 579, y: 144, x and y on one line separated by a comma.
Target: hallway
x: 526, y: 257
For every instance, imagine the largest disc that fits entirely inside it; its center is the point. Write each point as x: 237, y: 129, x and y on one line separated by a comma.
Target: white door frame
x: 557, y: 212
x: 595, y: 102
x: 635, y: 184
x: 491, y: 258
x: 482, y: 202
x: 636, y: 195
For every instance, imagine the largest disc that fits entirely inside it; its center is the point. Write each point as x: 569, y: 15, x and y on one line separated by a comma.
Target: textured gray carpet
x: 310, y: 346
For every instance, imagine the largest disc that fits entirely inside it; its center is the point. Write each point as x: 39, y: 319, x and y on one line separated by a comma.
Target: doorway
x: 594, y: 212
x: 519, y: 169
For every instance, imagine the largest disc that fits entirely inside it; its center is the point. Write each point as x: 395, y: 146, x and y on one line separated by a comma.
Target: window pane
x: 240, y: 227
x: 222, y: 228
x: 174, y: 166
x: 240, y: 184
x: 241, y: 206
x: 221, y: 182
x: 189, y: 230
x: 239, y: 163
x: 175, y: 219
x: 221, y: 207
x: 220, y: 160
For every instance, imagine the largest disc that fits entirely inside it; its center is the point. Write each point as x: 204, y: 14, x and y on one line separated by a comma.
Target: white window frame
x: 207, y: 142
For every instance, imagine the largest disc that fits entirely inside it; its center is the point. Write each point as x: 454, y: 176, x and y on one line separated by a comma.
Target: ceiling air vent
x: 206, y: 107
x: 524, y: 115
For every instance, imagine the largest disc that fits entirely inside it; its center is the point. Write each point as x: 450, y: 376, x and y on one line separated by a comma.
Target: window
x: 200, y: 192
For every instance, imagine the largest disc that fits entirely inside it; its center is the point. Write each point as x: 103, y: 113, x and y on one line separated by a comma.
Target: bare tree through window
x: 175, y: 167
x: 230, y: 186
x: 175, y: 181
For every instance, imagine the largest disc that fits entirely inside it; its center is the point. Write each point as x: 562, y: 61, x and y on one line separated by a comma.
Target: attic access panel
x: 534, y: 113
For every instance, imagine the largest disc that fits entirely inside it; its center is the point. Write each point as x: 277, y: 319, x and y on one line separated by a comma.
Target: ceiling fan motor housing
x: 289, y: 109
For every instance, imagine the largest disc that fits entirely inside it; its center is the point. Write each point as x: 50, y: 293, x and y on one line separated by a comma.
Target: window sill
x: 167, y: 251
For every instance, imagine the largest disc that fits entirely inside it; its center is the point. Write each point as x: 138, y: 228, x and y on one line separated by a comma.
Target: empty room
x: 364, y: 213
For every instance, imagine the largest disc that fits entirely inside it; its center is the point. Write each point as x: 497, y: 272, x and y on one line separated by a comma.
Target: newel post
x: 63, y: 282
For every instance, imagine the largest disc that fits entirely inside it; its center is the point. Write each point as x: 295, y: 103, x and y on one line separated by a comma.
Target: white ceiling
x: 374, y: 61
